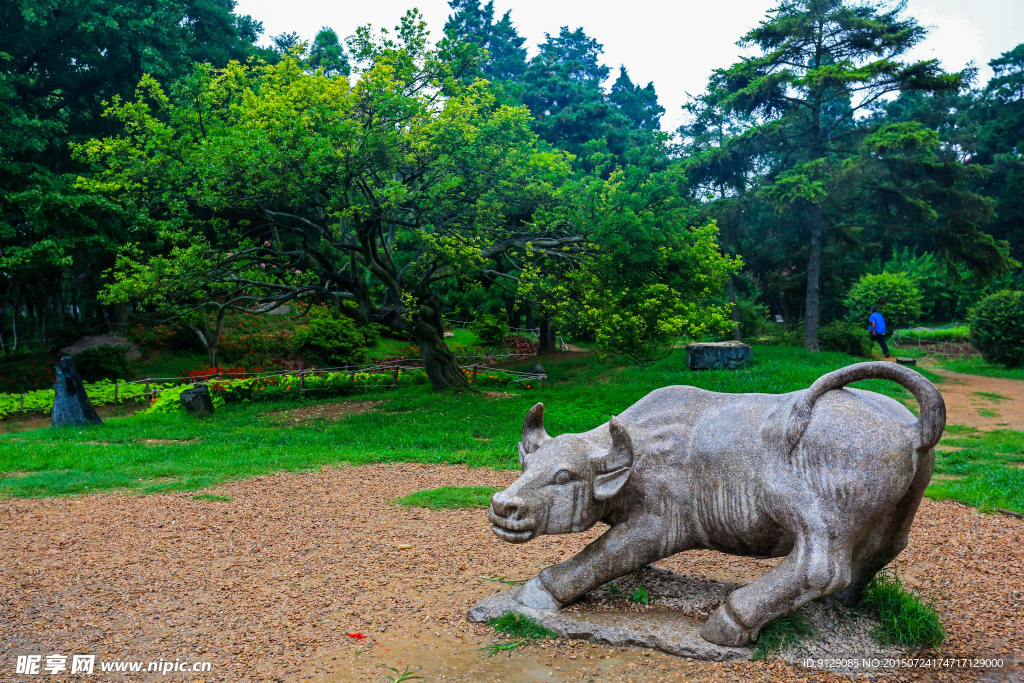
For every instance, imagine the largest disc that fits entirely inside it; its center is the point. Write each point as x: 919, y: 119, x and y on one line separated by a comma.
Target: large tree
x: 296, y: 185
x: 823, y: 63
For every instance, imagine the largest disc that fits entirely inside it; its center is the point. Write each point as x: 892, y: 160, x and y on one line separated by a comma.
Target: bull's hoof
x: 723, y: 629
x: 534, y: 594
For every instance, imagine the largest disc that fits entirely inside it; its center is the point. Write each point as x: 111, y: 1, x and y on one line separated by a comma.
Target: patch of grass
x: 904, y: 618
x: 783, y: 633
x: 520, y: 627
x: 507, y: 581
x: 450, y: 497
x: 991, y: 396
x: 962, y: 429
x: 405, y: 674
x: 523, y: 630
x: 985, y: 412
x: 983, y: 467
x: 210, y: 496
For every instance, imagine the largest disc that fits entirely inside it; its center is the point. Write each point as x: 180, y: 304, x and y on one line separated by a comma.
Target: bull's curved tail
x: 933, y: 409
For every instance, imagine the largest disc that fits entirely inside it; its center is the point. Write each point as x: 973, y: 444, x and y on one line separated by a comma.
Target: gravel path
x: 269, y: 585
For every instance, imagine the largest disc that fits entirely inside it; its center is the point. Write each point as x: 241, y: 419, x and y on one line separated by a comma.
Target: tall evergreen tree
x: 822, y: 62
x: 639, y: 105
x: 327, y: 53
x: 472, y: 22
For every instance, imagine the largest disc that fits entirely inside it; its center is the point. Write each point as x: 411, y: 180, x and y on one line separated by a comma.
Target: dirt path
x: 269, y: 585
x: 974, y: 400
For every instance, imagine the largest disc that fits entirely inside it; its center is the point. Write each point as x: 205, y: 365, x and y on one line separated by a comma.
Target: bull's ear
x: 608, y: 484
x: 533, y: 430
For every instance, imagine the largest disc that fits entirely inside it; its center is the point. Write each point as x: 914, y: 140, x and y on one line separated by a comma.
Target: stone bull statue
x: 828, y: 477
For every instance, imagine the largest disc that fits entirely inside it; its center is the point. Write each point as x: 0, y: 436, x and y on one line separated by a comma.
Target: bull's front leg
x: 623, y: 549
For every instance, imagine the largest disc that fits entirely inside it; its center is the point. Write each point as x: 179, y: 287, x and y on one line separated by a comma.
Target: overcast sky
x: 674, y: 43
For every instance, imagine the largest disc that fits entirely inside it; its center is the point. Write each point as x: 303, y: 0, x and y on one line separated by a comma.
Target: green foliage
x: 103, y: 362
x: 842, y: 337
x: 330, y: 340
x: 997, y: 328
x: 904, y: 618
x: 641, y: 596
x: 99, y: 393
x: 211, y: 496
x: 450, y: 497
x: 894, y: 294
x: 490, y: 329
x: 783, y: 633
x: 520, y: 627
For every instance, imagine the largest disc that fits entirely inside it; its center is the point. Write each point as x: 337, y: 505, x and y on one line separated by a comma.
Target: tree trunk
x: 813, y: 272
x: 441, y: 366
x: 547, y: 338
x: 530, y: 322
x: 735, y: 309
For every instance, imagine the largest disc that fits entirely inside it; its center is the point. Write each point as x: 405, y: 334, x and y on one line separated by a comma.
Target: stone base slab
x: 663, y: 630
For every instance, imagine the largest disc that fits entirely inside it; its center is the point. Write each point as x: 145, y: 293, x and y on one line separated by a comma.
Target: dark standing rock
x: 71, y: 406
x: 537, y: 369
x: 197, y: 401
x: 717, y: 355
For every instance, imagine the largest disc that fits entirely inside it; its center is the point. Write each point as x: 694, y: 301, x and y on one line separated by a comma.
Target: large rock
x: 717, y: 355
x: 84, y: 343
x: 197, y: 401
x: 71, y: 406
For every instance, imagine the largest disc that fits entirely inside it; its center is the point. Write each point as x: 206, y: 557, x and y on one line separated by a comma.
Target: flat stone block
x: 667, y: 630
x: 717, y: 355
x: 907, y: 361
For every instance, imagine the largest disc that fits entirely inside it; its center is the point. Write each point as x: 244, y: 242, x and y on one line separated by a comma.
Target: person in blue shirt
x: 877, y: 324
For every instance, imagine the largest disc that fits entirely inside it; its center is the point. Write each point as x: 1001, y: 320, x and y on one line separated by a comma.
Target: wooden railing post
x: 394, y: 379
x: 474, y: 372
x: 302, y: 381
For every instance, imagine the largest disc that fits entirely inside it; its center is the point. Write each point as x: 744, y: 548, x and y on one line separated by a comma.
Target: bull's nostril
x: 507, y: 508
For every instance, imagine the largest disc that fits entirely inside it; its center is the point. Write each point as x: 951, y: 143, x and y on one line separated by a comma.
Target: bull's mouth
x: 513, y: 530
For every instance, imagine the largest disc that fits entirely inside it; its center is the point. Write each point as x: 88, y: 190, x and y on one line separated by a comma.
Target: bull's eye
x: 563, y: 477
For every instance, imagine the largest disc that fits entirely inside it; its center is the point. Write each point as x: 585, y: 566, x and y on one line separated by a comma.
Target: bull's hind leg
x: 818, y: 564
x: 887, y: 539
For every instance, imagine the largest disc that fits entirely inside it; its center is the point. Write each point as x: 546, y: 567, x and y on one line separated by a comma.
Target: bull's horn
x: 621, y: 454
x: 533, y: 429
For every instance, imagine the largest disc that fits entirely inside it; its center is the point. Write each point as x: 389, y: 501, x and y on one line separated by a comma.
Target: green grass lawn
x: 168, y: 363
x: 986, y: 469
x: 172, y: 451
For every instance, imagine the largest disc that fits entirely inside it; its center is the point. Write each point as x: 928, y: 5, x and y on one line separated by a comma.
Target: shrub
x: 997, y: 328
x: 24, y: 371
x: 753, y: 317
x: 490, y: 329
x: 103, y: 362
x: 332, y: 340
x: 843, y: 337
x: 894, y: 294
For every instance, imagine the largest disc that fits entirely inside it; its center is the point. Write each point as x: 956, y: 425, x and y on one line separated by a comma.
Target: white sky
x: 676, y: 44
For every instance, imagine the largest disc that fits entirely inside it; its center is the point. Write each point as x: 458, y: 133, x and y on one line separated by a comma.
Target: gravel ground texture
x: 319, y: 576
